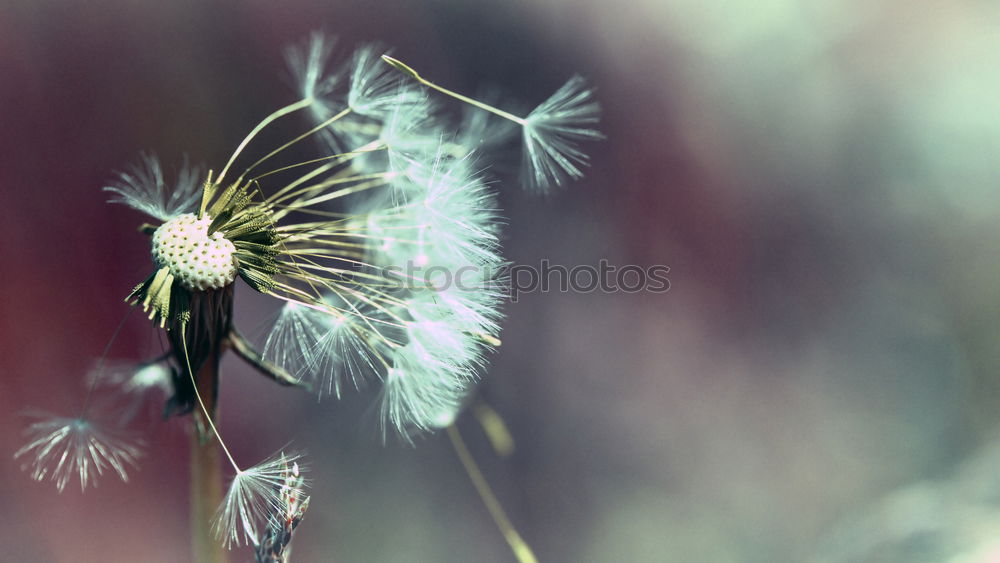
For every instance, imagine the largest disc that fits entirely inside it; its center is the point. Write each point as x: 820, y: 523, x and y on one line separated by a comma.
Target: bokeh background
x: 819, y: 384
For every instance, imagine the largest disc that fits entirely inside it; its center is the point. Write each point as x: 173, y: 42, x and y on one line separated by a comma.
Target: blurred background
x: 819, y: 384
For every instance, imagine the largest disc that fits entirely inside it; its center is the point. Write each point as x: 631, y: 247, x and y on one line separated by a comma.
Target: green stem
x: 518, y: 546
x: 206, y: 474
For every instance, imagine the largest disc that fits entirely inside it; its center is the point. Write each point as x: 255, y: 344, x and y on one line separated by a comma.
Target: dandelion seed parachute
x: 471, y: 306
x: 375, y: 89
x: 433, y: 373
x: 413, y: 130
x: 254, y: 496
x: 551, y: 132
x: 324, y: 349
x: 61, y: 447
x: 309, y: 64
x: 438, y: 214
x: 136, y: 384
x: 291, y: 341
x: 131, y: 377
x: 385, y: 110
x: 143, y: 188
x: 419, y: 396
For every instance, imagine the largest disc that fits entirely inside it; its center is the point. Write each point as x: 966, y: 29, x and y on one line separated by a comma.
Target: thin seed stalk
x: 521, y: 550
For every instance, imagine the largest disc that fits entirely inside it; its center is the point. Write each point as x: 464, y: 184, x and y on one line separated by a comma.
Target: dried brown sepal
x: 160, y: 297
x: 273, y: 545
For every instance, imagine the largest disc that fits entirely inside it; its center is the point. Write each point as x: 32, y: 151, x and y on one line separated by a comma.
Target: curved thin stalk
x: 520, y: 548
x: 206, y: 477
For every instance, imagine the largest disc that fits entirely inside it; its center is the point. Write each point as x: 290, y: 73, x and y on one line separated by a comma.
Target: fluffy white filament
x: 551, y: 132
x: 326, y: 348
x: 254, y: 497
x: 142, y: 187
x: 61, y: 448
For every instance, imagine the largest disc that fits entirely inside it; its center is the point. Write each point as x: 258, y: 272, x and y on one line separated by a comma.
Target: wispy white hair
x: 61, y: 447
x: 142, y: 187
x: 551, y: 132
x: 253, y: 497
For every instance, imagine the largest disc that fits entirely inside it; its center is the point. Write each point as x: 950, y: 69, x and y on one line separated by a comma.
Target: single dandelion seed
x: 142, y: 187
x: 550, y: 132
x: 135, y: 384
x: 375, y: 90
x: 308, y: 63
x: 60, y: 448
x: 254, y: 496
x: 132, y: 378
x: 422, y: 386
x: 324, y: 349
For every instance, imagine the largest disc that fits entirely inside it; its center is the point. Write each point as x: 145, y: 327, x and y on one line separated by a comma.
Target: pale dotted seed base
x: 197, y: 260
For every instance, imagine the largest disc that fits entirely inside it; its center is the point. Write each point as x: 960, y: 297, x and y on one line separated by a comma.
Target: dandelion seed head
x: 254, y: 496
x: 551, y: 133
x: 142, y: 187
x: 198, y: 260
x: 59, y: 448
x: 413, y: 196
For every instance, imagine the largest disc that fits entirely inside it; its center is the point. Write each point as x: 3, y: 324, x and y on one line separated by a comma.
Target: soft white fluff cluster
x: 60, y: 448
x: 143, y: 187
x: 422, y: 330
x: 255, y: 496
